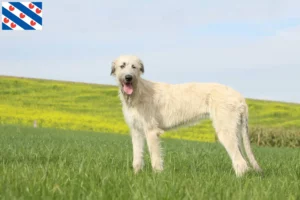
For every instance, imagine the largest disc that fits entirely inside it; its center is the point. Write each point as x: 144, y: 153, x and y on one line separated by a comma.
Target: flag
x: 22, y: 15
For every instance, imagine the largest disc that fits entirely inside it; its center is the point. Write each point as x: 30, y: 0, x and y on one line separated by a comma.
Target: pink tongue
x: 128, y: 89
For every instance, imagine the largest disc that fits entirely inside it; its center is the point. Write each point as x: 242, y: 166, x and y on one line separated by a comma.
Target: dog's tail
x: 246, y: 141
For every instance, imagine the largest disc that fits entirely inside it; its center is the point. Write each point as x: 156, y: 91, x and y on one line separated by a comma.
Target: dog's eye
x: 133, y: 67
x: 122, y: 66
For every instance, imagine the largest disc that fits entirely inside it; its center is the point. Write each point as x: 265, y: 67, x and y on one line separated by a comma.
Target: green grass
x: 92, y: 107
x: 59, y: 164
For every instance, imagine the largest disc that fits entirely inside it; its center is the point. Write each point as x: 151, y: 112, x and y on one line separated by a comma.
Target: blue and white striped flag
x: 22, y: 15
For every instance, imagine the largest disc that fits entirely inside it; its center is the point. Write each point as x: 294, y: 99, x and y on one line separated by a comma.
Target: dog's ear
x: 113, y: 68
x: 142, y: 66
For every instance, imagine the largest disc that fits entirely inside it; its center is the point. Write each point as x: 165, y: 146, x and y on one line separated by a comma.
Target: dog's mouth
x: 127, y: 87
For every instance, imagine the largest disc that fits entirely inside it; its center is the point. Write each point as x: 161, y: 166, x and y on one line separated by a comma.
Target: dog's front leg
x: 154, y: 150
x: 138, y: 141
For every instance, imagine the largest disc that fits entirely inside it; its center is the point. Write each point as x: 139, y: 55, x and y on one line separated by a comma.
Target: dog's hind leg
x: 154, y: 150
x: 138, y: 141
x: 227, y: 132
x: 226, y: 121
x: 230, y: 141
x: 247, y: 145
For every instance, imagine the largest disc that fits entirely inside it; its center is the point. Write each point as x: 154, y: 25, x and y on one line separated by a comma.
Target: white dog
x: 150, y: 108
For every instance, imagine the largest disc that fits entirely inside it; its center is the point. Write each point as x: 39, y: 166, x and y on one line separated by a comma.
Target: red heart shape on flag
x: 31, y: 6
x: 38, y: 11
x: 32, y: 23
x: 22, y: 15
x: 11, y: 8
x: 13, y: 25
x: 6, y: 20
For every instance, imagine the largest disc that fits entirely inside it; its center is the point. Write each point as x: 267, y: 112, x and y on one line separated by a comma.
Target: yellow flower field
x: 79, y: 106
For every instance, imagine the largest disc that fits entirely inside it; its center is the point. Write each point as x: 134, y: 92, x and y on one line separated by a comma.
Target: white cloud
x: 279, y: 50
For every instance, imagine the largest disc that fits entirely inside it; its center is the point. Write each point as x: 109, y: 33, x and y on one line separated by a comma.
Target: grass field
x: 59, y: 164
x: 92, y: 107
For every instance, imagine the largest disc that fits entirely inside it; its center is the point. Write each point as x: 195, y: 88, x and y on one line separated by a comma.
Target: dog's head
x: 127, y: 69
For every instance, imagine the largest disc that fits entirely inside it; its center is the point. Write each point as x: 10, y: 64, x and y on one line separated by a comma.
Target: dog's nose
x: 128, y: 78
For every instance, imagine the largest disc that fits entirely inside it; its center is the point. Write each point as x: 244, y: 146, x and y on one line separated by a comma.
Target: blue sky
x: 252, y: 46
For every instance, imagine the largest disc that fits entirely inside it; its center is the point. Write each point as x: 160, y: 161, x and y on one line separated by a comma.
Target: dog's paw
x: 137, y: 167
x: 157, y: 168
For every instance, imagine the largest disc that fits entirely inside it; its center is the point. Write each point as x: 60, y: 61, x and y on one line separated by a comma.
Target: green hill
x: 80, y: 106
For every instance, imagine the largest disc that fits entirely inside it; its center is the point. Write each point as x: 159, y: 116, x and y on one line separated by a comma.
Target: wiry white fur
x: 155, y: 107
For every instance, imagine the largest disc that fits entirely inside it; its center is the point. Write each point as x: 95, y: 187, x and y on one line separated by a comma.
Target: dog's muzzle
x: 127, y: 84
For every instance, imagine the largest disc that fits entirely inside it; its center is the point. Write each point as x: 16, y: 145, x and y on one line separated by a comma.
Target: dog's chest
x: 133, y: 118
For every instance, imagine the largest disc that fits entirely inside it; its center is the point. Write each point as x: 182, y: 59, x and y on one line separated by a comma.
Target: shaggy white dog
x: 150, y: 108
